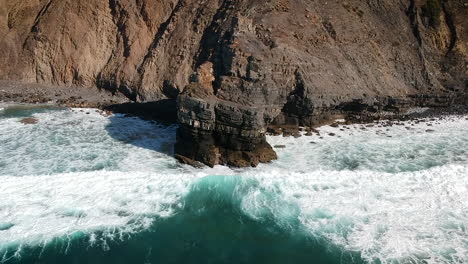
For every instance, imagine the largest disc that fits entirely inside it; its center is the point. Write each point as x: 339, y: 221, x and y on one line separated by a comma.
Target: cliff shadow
x: 150, y: 125
x: 163, y: 111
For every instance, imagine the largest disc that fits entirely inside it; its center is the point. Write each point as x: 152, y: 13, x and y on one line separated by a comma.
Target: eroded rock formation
x: 243, y: 64
x: 215, y: 131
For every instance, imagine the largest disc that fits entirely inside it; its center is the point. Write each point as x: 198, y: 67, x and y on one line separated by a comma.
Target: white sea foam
x: 38, y: 209
x: 83, y: 140
x: 390, y: 217
x: 410, y: 146
x: 395, y: 199
x: 417, y: 110
x: 386, y: 216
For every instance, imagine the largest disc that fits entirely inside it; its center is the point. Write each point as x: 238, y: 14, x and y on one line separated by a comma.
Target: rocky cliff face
x: 243, y: 64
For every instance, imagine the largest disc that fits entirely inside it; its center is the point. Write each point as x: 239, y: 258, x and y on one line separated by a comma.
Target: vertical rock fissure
x: 44, y: 9
x: 453, y: 30
x: 162, y: 29
x: 213, y: 40
x: 413, y: 16
x: 298, y: 106
x: 144, y: 15
x: 119, y: 16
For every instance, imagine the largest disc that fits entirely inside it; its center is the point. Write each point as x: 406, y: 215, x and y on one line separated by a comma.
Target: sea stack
x: 219, y: 132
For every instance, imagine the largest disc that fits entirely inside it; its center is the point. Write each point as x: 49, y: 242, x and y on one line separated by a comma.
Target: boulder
x: 29, y: 121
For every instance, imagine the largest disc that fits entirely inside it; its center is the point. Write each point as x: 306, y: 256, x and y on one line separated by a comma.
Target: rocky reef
x: 237, y: 66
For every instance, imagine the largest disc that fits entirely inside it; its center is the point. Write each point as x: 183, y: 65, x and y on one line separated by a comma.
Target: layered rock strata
x: 215, y: 131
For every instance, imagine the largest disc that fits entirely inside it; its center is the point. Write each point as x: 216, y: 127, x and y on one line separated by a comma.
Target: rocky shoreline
x: 67, y: 96
x: 209, y: 133
x: 415, y: 116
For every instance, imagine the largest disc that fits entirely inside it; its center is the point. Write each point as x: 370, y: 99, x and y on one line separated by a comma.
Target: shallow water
x: 78, y: 187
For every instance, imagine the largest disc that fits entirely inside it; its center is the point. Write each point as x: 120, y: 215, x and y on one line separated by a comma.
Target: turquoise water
x: 79, y: 187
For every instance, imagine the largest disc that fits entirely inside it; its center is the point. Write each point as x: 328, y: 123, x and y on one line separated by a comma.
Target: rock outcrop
x: 240, y: 65
x: 215, y: 131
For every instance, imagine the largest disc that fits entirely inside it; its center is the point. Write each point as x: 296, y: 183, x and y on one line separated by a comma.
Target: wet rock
x: 274, y: 131
x: 291, y: 131
x: 313, y: 130
x: 297, y: 135
x: 29, y: 121
x: 191, y: 162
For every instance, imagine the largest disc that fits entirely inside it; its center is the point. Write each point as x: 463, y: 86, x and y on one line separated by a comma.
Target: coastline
x: 86, y: 97
x: 67, y: 96
x: 414, y: 114
x: 14, y: 93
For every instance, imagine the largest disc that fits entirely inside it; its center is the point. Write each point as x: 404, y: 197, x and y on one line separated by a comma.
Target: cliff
x: 236, y: 66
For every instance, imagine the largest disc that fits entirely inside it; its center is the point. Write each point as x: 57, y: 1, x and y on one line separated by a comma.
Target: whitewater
x: 360, y: 194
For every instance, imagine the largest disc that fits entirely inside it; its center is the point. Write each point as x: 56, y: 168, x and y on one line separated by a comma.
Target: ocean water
x: 79, y: 187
